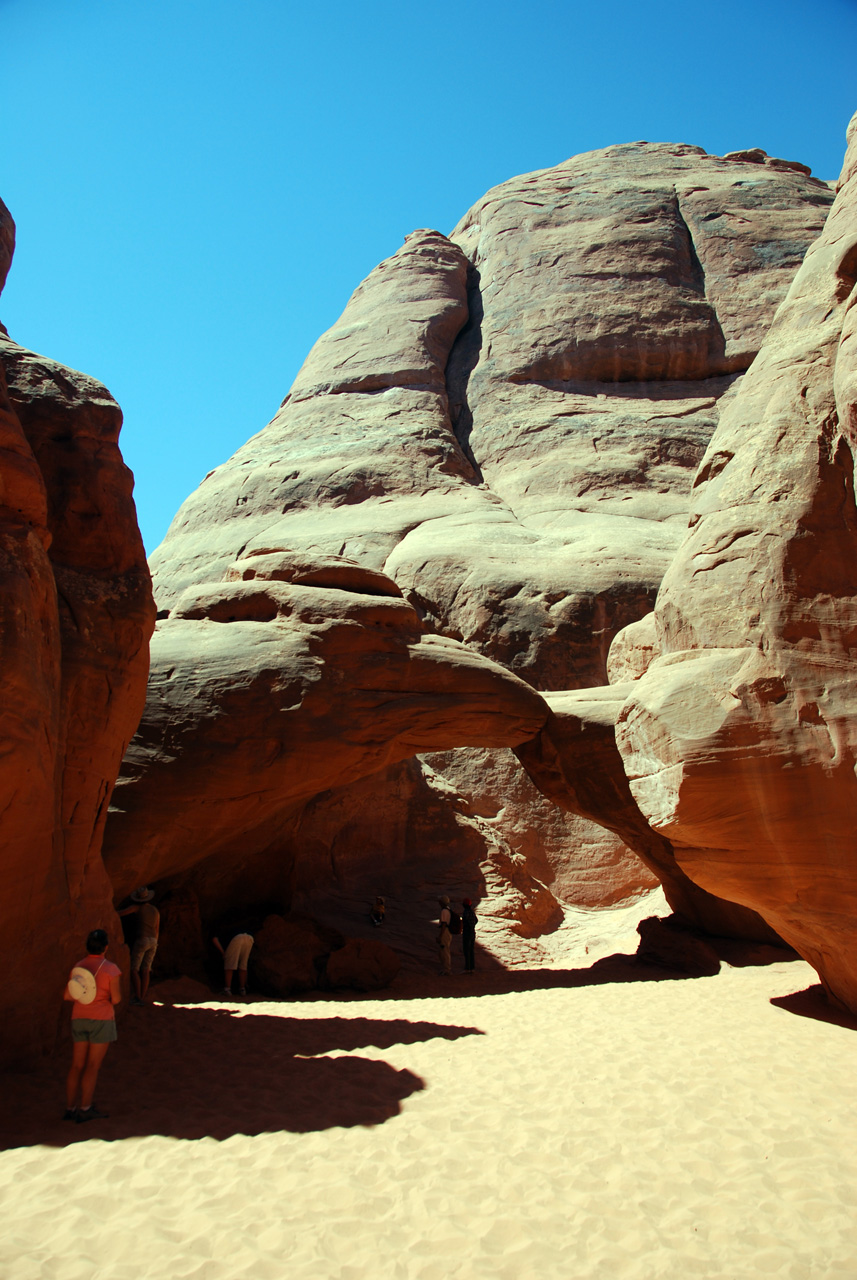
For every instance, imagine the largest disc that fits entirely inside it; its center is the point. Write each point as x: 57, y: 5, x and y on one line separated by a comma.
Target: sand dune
x: 604, y: 1122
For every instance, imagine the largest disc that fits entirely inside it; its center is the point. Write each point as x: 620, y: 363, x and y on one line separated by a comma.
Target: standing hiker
x: 468, y: 935
x: 95, y: 989
x: 145, y: 940
x: 444, y: 936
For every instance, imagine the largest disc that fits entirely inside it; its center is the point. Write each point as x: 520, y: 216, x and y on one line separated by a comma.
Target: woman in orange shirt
x: 93, y: 1030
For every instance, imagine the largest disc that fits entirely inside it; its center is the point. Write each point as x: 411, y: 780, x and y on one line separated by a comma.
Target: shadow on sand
x: 620, y: 967
x: 193, y: 1072
x: 201, y: 1072
x: 813, y: 1003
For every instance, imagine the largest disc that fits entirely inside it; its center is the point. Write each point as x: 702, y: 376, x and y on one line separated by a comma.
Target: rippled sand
x: 603, y: 1122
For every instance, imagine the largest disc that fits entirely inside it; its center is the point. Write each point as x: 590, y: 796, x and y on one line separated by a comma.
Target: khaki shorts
x: 143, y: 953
x: 238, y: 952
x: 93, y: 1030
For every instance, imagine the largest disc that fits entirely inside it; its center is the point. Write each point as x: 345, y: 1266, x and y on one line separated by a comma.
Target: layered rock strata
x: 739, y: 740
x: 506, y: 422
x: 268, y: 689
x: 77, y: 612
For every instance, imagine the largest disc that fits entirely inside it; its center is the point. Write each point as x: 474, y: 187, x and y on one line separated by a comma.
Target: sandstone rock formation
x: 506, y: 423
x: 738, y: 741
x: 267, y: 690
x: 77, y: 611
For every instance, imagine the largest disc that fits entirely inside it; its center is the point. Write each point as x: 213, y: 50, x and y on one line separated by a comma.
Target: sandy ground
x: 602, y: 1120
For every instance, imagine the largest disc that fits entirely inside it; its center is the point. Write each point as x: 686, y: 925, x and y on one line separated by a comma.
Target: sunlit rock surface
x: 738, y: 739
x: 506, y: 423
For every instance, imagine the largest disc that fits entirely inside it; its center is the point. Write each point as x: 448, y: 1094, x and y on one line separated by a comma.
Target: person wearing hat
x: 95, y: 989
x: 146, y: 941
x: 444, y: 937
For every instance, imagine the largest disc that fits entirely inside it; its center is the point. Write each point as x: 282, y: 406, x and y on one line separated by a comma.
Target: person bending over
x: 236, y: 955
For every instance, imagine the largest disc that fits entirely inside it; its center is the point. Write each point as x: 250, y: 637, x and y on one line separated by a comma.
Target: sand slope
x: 605, y: 1123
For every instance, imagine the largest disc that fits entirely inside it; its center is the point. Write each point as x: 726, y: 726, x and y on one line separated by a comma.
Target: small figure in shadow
x: 145, y: 940
x: 444, y: 937
x: 376, y: 915
x: 468, y: 935
x: 95, y: 989
x: 236, y: 955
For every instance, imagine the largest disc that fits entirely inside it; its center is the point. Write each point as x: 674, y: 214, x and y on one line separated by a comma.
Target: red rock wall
x: 76, y: 613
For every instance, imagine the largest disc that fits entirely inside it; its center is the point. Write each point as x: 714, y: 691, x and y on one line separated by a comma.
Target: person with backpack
x: 444, y: 936
x: 468, y: 935
x: 95, y: 989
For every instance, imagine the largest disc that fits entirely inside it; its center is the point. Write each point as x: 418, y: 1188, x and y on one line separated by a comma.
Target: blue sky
x: 200, y: 185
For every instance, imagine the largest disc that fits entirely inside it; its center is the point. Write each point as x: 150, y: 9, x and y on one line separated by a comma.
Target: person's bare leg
x: 242, y: 979
x: 227, y: 979
x: 78, y: 1062
x: 94, y: 1059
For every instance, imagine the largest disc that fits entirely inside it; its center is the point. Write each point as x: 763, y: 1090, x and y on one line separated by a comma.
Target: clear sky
x: 199, y: 185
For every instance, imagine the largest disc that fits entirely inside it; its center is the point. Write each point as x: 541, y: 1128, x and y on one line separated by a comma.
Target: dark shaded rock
x: 363, y: 964
x: 670, y: 944
x: 289, y: 954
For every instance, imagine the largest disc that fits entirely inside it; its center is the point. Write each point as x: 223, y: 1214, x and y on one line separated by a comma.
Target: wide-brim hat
x: 444, y: 901
x: 81, y: 985
x: 142, y: 895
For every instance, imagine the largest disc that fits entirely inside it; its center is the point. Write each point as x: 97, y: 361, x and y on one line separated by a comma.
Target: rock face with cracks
x: 267, y: 690
x: 506, y: 423
x: 738, y: 741
x: 77, y: 612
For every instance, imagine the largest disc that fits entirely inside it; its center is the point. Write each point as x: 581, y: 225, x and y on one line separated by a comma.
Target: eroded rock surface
x: 738, y: 738
x: 76, y: 615
x: 264, y: 693
x: 506, y: 423
x: 739, y: 742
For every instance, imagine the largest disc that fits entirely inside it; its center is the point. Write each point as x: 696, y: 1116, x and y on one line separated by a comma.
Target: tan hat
x: 143, y: 895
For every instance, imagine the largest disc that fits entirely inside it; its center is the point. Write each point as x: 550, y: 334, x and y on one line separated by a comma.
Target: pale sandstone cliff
x: 738, y: 740
x: 506, y: 422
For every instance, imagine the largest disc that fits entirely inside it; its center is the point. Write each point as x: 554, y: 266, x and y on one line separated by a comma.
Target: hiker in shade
x: 468, y: 935
x: 379, y: 908
x: 444, y: 937
x: 95, y: 989
x: 235, y: 945
x: 145, y: 940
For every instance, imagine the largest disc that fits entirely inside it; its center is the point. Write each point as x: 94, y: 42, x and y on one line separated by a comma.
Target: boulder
x: 669, y: 944
x: 289, y: 954
x: 363, y: 964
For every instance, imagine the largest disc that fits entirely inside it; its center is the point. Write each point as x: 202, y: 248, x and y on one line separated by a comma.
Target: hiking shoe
x: 91, y: 1113
x: 227, y: 991
x: 136, y: 1000
x: 242, y: 991
x: 70, y: 1113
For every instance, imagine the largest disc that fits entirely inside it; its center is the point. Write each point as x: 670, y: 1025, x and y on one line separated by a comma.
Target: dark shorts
x: 93, y: 1030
